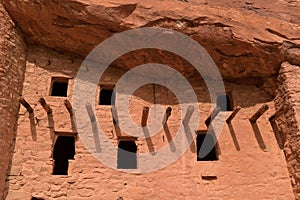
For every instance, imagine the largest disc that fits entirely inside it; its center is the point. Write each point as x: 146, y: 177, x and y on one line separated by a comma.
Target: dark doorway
x: 106, y: 97
x: 224, y: 102
x: 64, y: 150
x: 209, y: 145
x: 59, y: 87
x: 127, y: 155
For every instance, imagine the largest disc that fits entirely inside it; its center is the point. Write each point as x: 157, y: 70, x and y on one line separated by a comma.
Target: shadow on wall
x: 68, y: 65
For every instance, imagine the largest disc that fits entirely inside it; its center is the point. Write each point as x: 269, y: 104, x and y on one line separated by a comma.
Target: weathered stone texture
x: 12, y: 69
x: 241, y: 36
x: 249, y: 168
x: 288, y: 96
x: 293, y: 56
x: 248, y: 40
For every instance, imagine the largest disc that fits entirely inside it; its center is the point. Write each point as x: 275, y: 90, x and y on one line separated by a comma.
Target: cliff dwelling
x: 147, y: 139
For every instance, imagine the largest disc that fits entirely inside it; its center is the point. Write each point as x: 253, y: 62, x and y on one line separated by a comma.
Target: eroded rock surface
x: 245, y: 38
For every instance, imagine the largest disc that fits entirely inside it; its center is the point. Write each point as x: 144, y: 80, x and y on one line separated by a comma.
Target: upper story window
x: 224, y: 102
x: 59, y: 87
x: 106, y: 96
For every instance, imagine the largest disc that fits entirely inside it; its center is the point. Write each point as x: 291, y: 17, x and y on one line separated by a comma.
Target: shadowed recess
x: 127, y: 158
x: 210, y: 142
x: 64, y: 149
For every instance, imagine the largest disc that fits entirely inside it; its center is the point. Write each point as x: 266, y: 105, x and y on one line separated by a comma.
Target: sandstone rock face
x: 12, y: 69
x: 248, y: 40
x: 250, y: 164
x: 288, y: 96
x: 293, y: 56
x: 245, y: 38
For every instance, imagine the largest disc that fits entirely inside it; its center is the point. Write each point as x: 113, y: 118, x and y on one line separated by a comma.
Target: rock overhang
x: 245, y: 44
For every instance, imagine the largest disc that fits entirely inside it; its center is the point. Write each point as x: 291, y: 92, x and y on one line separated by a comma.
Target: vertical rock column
x: 12, y: 69
x: 288, y: 94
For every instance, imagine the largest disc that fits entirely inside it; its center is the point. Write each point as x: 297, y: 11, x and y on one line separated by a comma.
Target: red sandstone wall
x: 289, y: 122
x: 12, y: 68
x: 244, y: 170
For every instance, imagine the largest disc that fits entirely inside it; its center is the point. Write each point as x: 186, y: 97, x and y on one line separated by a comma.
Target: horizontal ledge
x: 201, y: 131
x: 65, y: 133
x: 127, y: 138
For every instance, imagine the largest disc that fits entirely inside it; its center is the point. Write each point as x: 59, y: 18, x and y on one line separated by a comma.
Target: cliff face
x: 245, y: 38
x: 12, y: 70
x: 248, y: 40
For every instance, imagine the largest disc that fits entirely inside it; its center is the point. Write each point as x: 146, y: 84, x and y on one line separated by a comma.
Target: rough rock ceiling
x: 246, y: 39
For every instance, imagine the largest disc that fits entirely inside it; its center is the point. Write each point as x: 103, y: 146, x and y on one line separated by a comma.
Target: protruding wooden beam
x: 259, y: 113
x: 68, y: 106
x: 145, y: 116
x: 233, y: 114
x: 167, y: 115
x: 45, y: 105
x: 278, y: 113
x: 188, y: 115
x: 212, y: 116
x: 25, y: 104
x: 114, y: 115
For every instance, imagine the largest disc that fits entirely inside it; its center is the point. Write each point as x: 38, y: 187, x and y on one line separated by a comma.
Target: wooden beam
x: 145, y: 116
x: 25, y: 104
x: 45, y: 105
x: 68, y: 106
x: 188, y: 115
x: 233, y: 114
x: 259, y: 113
x: 167, y: 115
x: 278, y: 113
x: 212, y: 116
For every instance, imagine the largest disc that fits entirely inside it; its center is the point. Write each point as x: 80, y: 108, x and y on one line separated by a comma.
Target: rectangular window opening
x: 224, y: 102
x: 206, y: 147
x: 59, y: 87
x: 106, y: 96
x: 127, y: 158
x: 64, y: 150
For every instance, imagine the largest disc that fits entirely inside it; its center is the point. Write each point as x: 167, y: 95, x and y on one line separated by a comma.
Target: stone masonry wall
x: 289, y: 122
x: 12, y: 69
x: 250, y: 165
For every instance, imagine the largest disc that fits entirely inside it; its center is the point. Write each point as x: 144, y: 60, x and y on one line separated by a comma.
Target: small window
x: 127, y: 155
x: 64, y: 150
x: 224, y: 102
x: 209, y: 145
x: 106, y: 97
x: 59, y: 87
